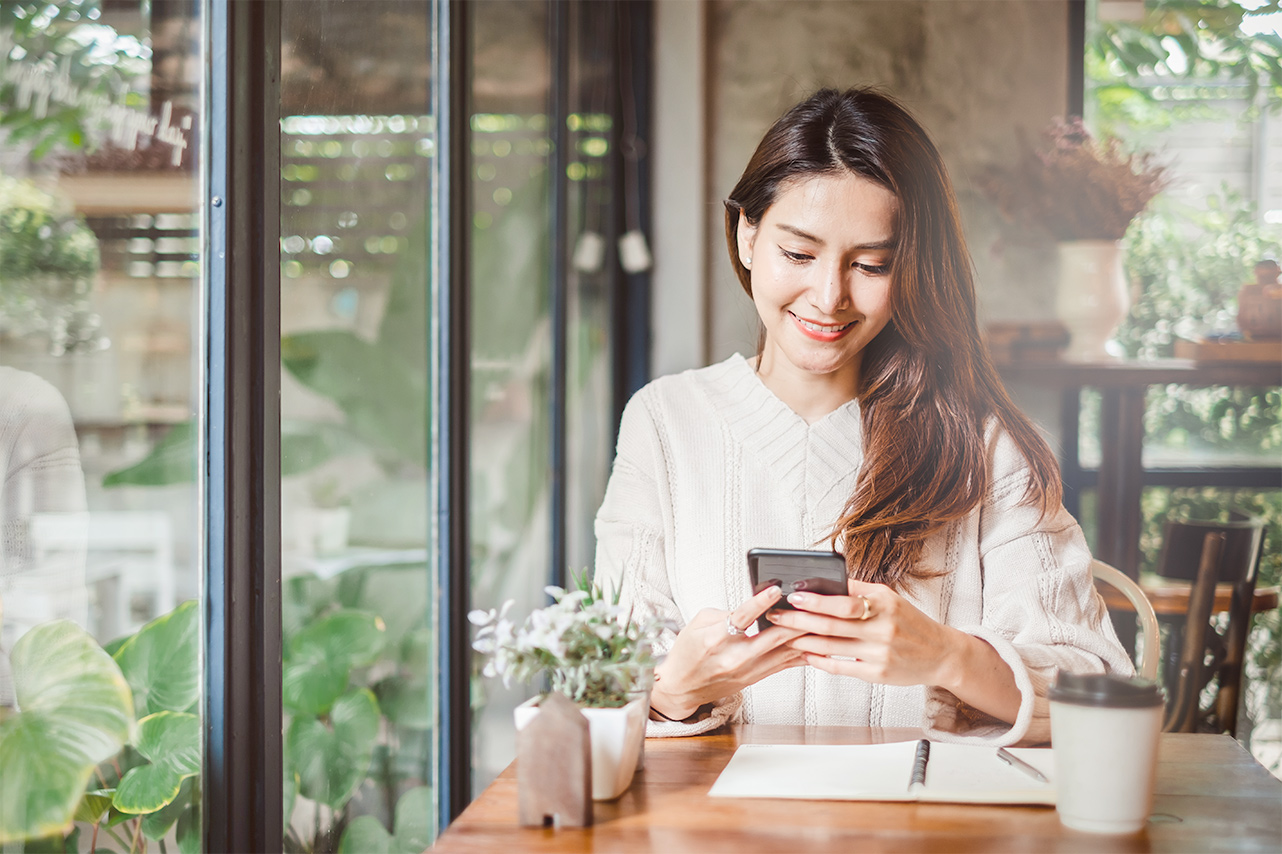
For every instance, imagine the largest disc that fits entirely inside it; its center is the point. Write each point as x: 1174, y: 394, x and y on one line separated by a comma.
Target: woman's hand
x: 708, y: 661
x: 883, y: 638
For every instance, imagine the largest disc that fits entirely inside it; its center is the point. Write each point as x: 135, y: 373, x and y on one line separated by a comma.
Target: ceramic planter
x: 1092, y: 298
x: 618, y: 738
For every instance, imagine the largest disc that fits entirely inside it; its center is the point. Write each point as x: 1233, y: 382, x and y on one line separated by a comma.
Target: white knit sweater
x: 710, y: 463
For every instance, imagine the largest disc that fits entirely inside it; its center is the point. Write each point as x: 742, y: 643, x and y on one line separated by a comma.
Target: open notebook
x: 958, y: 773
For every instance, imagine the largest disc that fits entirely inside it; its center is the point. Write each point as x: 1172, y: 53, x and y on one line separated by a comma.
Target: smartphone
x: 795, y: 570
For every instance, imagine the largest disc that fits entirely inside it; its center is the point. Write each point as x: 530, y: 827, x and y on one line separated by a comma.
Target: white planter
x: 618, y: 739
x: 1092, y: 297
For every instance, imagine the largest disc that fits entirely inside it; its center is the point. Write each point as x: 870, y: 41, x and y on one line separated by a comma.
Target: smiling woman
x: 872, y: 420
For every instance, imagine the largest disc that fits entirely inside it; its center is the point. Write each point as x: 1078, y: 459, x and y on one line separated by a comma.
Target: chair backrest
x: 1233, y: 549
x: 1182, y: 548
x: 1151, y: 656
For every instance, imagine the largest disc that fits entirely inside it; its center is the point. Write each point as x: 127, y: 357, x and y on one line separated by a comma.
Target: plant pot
x: 618, y: 740
x: 1092, y: 298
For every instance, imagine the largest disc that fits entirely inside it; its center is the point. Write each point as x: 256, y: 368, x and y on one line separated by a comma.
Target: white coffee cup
x: 1104, y: 731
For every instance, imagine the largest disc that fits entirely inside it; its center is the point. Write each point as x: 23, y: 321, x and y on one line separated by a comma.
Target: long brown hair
x: 926, y: 385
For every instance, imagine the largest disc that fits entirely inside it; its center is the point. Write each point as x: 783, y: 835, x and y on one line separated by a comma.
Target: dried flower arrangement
x: 1075, y: 186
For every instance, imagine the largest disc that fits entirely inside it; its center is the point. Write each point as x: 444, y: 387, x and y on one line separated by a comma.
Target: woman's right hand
x: 708, y: 662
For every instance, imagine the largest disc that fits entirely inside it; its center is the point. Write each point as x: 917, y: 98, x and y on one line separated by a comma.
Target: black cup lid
x: 1104, y: 689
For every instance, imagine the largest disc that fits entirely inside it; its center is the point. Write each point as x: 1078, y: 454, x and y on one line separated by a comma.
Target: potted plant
x: 594, y: 652
x: 1084, y: 192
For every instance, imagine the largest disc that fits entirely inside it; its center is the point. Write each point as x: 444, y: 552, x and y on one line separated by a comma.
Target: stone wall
x: 976, y: 73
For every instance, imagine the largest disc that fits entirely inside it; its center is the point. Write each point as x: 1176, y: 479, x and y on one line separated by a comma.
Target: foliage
x: 1196, y: 41
x: 356, y: 696
x: 75, y: 711
x: 48, y: 257
x: 61, y: 38
x: 587, y: 646
x: 1075, y: 186
x: 1186, y: 266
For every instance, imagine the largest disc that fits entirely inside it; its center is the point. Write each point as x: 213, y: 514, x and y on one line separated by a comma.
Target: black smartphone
x: 795, y: 570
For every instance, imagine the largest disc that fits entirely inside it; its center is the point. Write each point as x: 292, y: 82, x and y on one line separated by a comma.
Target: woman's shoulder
x: 696, y: 386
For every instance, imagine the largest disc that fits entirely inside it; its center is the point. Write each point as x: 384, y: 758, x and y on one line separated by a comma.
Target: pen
x: 1019, y: 764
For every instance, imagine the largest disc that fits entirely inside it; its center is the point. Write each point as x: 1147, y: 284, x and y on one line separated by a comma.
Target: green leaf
x: 188, y: 831
x: 413, y: 825
x: 76, y: 712
x: 290, y: 795
x: 332, y: 760
x: 320, y: 658
x: 162, y: 662
x: 94, y: 805
x: 157, y: 824
x: 365, y: 835
x: 171, y: 740
x: 385, y: 403
x: 405, y: 702
x: 172, y: 460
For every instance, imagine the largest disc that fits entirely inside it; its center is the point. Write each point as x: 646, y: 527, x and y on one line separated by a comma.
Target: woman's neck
x: 810, y: 395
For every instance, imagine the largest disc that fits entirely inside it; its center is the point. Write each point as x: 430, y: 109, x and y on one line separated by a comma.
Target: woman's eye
x: 796, y: 257
x: 873, y: 269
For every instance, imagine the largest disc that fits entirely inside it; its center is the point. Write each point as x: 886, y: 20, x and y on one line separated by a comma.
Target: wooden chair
x: 1151, y: 655
x: 1208, y: 554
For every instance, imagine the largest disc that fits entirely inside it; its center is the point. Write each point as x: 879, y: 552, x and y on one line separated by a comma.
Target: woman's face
x: 820, y: 262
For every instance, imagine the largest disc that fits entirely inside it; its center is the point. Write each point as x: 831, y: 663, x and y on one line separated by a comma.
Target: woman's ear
x: 746, y: 233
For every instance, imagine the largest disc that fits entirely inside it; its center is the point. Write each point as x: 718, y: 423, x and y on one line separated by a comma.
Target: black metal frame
x: 450, y: 219
x: 242, y: 667
x: 1076, y: 57
x: 559, y: 280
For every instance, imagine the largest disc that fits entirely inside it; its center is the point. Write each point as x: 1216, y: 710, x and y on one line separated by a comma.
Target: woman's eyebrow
x: 805, y: 235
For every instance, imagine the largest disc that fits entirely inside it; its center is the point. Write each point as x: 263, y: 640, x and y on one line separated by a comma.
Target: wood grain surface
x: 1211, y: 795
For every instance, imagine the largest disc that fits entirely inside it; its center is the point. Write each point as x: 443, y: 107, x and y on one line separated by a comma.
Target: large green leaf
x: 76, y: 711
x: 171, y: 460
x: 188, y: 829
x: 157, y: 824
x: 171, y: 741
x: 319, y: 659
x: 332, y: 760
x: 413, y: 823
x: 405, y: 702
x: 384, y: 401
x: 162, y: 662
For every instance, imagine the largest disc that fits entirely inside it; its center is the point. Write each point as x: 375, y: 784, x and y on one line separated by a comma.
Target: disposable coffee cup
x: 1104, y: 731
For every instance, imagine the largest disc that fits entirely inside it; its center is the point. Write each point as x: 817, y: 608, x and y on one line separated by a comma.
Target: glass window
x: 545, y: 224
x: 100, y: 357
x: 357, y: 147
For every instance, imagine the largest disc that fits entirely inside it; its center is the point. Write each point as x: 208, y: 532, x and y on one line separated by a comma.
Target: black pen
x: 1015, y: 762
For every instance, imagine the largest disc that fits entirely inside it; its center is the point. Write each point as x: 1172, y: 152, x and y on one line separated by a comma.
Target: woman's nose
x: 830, y: 295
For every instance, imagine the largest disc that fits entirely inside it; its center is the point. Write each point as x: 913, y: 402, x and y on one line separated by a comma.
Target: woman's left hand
x: 881, y: 637
x: 879, y: 634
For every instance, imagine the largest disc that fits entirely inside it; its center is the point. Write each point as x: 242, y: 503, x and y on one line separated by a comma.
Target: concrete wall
x: 975, y: 72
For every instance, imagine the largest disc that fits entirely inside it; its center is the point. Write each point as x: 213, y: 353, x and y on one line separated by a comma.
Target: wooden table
x: 1121, y: 476
x: 1211, y: 795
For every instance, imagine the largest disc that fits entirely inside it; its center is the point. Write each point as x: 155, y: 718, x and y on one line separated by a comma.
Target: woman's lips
x: 822, y: 331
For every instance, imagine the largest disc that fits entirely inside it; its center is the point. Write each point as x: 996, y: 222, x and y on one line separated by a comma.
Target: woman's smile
x: 821, y: 331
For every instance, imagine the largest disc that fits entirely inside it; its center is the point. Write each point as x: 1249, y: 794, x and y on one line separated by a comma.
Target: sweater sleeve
x: 1041, y: 612
x: 631, y: 554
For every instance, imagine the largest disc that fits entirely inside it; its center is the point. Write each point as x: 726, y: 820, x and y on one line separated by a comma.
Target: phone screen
x: 796, y: 570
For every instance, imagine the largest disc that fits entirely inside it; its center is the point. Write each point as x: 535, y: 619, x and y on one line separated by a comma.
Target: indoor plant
x: 591, y: 650
x: 1084, y: 192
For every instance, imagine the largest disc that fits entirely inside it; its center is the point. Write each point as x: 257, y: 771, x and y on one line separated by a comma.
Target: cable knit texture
x: 710, y: 463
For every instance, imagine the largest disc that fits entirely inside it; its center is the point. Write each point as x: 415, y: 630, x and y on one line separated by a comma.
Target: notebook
x: 956, y: 773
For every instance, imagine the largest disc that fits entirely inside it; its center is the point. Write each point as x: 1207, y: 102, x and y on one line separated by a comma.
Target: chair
x: 1151, y: 656
x: 1209, y: 554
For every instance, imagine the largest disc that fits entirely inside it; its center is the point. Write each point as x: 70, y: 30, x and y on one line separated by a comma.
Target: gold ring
x: 867, y: 608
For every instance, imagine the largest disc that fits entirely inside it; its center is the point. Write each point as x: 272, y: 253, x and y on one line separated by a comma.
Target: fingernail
x: 772, y: 616
x: 797, y: 598
x: 776, y: 590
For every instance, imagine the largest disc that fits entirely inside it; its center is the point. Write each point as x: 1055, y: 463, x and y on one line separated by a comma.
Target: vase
x: 1092, y: 298
x: 618, y: 738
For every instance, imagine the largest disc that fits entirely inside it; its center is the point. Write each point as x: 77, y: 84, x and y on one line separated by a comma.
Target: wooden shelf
x: 115, y: 193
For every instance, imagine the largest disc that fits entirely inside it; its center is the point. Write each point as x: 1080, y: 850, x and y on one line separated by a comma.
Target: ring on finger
x: 867, y: 614
x: 731, y: 628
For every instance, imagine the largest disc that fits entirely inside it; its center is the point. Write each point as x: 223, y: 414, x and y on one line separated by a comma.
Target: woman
x: 873, y: 420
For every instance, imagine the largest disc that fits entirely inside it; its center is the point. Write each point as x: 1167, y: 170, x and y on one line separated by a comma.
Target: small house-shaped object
x: 554, y: 766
